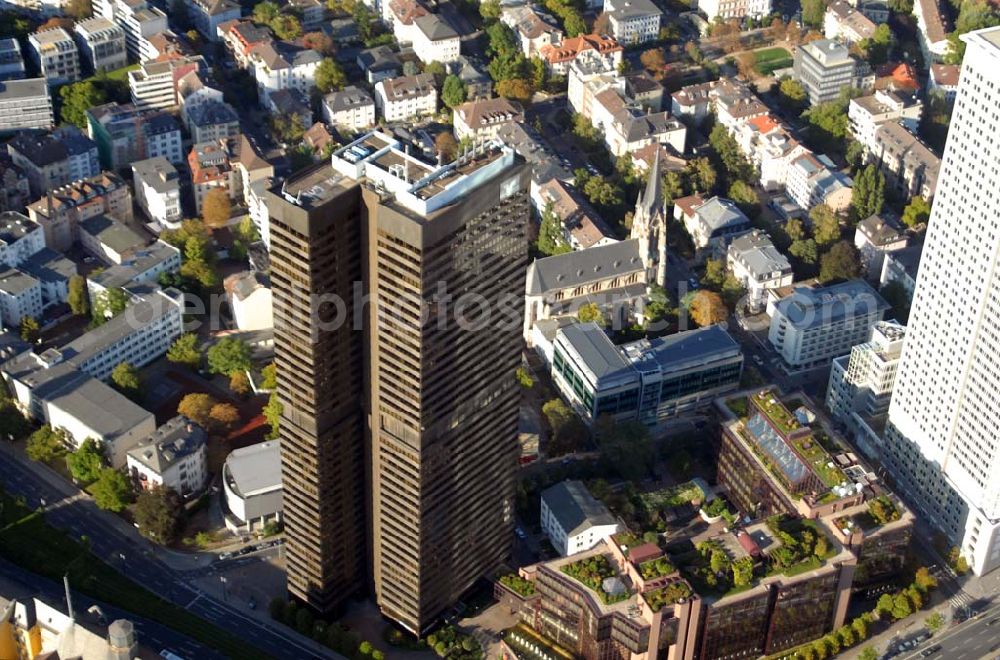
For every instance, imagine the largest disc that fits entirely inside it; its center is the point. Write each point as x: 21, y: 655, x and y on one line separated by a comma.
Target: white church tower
x: 649, y: 226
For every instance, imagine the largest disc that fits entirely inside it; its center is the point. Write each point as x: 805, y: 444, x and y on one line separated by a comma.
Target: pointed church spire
x: 652, y: 198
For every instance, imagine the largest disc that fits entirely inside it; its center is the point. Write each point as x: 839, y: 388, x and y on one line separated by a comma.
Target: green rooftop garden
x: 656, y: 568
x: 819, y: 460
x: 518, y: 584
x: 738, y: 406
x: 628, y: 539
x: 670, y: 497
x: 779, y: 415
x: 657, y: 599
x: 883, y: 511
x: 592, y: 572
x: 803, y: 547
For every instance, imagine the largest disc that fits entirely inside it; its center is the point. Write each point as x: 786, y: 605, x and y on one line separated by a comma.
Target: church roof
x: 651, y: 201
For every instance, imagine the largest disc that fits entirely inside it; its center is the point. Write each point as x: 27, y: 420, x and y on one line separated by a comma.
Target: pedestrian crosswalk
x: 961, y: 599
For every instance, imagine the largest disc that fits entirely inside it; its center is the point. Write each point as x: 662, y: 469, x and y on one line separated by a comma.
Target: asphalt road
x: 135, y: 558
x: 972, y: 640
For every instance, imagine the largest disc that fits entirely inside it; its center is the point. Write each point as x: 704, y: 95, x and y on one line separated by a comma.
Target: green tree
x: 158, y: 512
x: 742, y: 571
x: 719, y: 561
x: 813, y: 12
x: 223, y: 417
x: 453, y: 91
x: 329, y: 76
x: 45, y: 445
x: 111, y: 491
x: 934, y: 622
x: 868, y: 195
x: 239, y: 384
x: 490, y: 10
x: 286, y: 27
x: 715, y: 273
x: 591, y: 313
x: 30, y: 330
x: 917, y: 212
x: 125, y: 378
x: 13, y: 424
x: 828, y: 125
x: 269, y: 377
x: 868, y: 653
x: 901, y: 607
x: 730, y: 155
x: 265, y: 12
x: 840, y: 262
x: 86, y: 462
x: 792, y: 94
x: 77, y: 98
x: 795, y: 230
x: 229, y: 355
x: 626, y: 448
x: 185, y: 351
x: 108, y: 304
x: 804, y: 250
x: 745, y: 197
x: 557, y: 413
x: 77, y: 298
x: 272, y: 413
x: 551, y: 239
x: 825, y: 223
x: 524, y: 378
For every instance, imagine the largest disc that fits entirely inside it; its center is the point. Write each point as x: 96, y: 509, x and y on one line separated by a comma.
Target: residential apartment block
x: 813, y: 179
x: 867, y: 113
x: 843, y: 22
x: 482, y: 119
x: 51, y: 160
x: 559, y: 56
x: 125, y: 134
x: 431, y: 38
x: 62, y: 210
x: 758, y: 266
x: 55, y: 55
x: 11, y: 60
x: 728, y: 9
x: 174, y: 457
x: 141, y: 22
x: 535, y: 30
x: 102, y: 44
x: 713, y: 223
x: 573, y: 520
x: 909, y: 166
x: 406, y: 97
x: 207, y: 15
x: 351, y: 108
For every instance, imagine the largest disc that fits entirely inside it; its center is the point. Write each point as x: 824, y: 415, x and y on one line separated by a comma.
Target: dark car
x: 926, y: 653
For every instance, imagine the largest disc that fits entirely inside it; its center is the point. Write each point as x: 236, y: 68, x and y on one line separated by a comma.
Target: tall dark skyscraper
x: 315, y: 254
x: 444, y: 253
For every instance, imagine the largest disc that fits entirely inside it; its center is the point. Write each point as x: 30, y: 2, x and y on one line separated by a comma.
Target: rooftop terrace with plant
x: 592, y: 571
x: 668, y: 594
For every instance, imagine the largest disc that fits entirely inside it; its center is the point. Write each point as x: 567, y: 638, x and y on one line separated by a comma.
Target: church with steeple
x: 649, y: 226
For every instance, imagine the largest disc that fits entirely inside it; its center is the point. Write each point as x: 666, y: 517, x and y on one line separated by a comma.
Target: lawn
x: 120, y: 74
x: 771, y: 59
x: 28, y: 541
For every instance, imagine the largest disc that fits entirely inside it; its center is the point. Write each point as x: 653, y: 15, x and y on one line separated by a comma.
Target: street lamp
x: 225, y: 594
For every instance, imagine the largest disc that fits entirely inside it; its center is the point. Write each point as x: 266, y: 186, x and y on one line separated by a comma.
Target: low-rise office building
x: 251, y: 483
x: 825, y: 67
x: 102, y: 44
x: 813, y: 325
x: 633, y: 21
x: 157, y: 190
x: 645, y: 380
x: 142, y: 266
x: 573, y: 519
x: 25, y: 104
x: 11, y: 60
x: 109, y: 240
x: 55, y: 55
x: 174, y: 456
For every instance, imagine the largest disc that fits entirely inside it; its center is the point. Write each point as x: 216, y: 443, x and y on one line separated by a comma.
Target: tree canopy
x: 840, y: 262
x: 626, y: 448
x: 453, y: 91
x: 551, y: 239
x: 708, y: 308
x: 77, y: 298
x: 86, y: 461
x: 229, y: 355
x: 917, y: 212
x: 198, y: 408
x: 330, y: 77
x: 111, y: 491
x: 158, y: 512
x: 868, y: 195
x: 45, y: 444
x: 79, y: 97
x: 185, y: 351
x: 125, y: 378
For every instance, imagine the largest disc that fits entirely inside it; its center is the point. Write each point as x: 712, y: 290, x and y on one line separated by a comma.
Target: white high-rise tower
x: 943, y: 433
